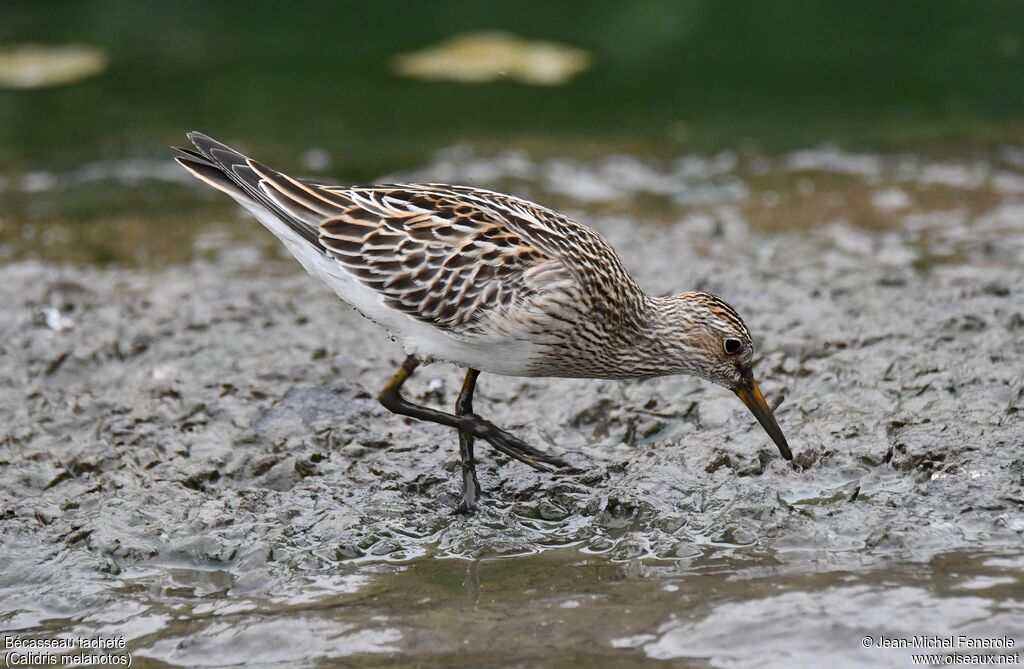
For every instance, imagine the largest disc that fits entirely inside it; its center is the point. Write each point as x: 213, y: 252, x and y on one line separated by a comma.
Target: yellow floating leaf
x: 41, y: 66
x: 490, y: 56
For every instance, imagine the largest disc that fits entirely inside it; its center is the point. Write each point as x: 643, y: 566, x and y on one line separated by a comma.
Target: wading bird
x: 488, y: 282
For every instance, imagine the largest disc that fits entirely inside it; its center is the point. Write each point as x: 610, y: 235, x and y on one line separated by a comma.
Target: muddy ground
x: 192, y: 456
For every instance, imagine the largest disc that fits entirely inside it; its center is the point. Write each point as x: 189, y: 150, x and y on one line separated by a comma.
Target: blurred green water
x: 666, y: 74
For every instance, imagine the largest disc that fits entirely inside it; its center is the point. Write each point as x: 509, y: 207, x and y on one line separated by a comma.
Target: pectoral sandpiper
x: 488, y: 282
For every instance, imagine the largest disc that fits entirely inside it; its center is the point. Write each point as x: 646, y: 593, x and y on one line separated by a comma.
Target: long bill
x: 750, y: 394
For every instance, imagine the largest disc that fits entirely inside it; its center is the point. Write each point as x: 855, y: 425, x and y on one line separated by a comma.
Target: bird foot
x: 515, y: 447
x: 469, y: 505
x: 466, y: 508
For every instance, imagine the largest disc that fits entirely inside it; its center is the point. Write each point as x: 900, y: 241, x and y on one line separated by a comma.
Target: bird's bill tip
x: 751, y: 396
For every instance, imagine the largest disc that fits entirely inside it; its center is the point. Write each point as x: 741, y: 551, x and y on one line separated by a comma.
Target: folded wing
x: 450, y: 257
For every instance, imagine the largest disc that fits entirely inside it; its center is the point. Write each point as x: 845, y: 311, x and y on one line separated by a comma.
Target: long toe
x: 520, y: 446
x: 520, y: 450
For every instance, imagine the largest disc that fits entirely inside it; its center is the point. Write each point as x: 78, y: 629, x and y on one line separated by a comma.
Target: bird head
x: 714, y: 344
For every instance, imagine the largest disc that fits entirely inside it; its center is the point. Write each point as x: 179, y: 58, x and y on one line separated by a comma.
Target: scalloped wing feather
x: 438, y: 258
x: 478, y: 265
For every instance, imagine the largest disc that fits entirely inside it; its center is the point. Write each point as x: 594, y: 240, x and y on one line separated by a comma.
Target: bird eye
x: 732, y: 346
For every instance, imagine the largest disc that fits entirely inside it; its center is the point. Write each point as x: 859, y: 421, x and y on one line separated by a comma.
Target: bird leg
x: 469, y: 424
x: 464, y: 407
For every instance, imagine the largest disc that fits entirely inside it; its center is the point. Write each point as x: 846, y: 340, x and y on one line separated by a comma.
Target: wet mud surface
x: 192, y: 456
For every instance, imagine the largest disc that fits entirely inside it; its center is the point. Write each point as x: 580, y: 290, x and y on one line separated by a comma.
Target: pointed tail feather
x: 205, y: 171
x: 235, y: 174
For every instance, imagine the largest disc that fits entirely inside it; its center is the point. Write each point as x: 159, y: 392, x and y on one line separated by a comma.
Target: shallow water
x: 193, y: 458
x: 565, y: 607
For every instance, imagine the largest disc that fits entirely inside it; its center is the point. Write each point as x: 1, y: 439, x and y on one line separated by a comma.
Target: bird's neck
x: 640, y: 345
x: 658, y: 343
x: 638, y: 341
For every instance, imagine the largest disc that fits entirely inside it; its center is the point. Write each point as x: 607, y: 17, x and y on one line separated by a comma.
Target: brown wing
x: 431, y: 253
x: 466, y: 260
x: 435, y: 256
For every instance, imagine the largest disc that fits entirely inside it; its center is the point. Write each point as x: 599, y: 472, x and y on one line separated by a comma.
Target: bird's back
x: 462, y: 274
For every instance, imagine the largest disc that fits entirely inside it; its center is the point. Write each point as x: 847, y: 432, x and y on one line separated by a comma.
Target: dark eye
x: 733, y: 346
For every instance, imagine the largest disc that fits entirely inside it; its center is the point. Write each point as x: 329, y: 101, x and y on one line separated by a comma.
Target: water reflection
x: 727, y: 612
x: 493, y: 56
x: 27, y: 66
